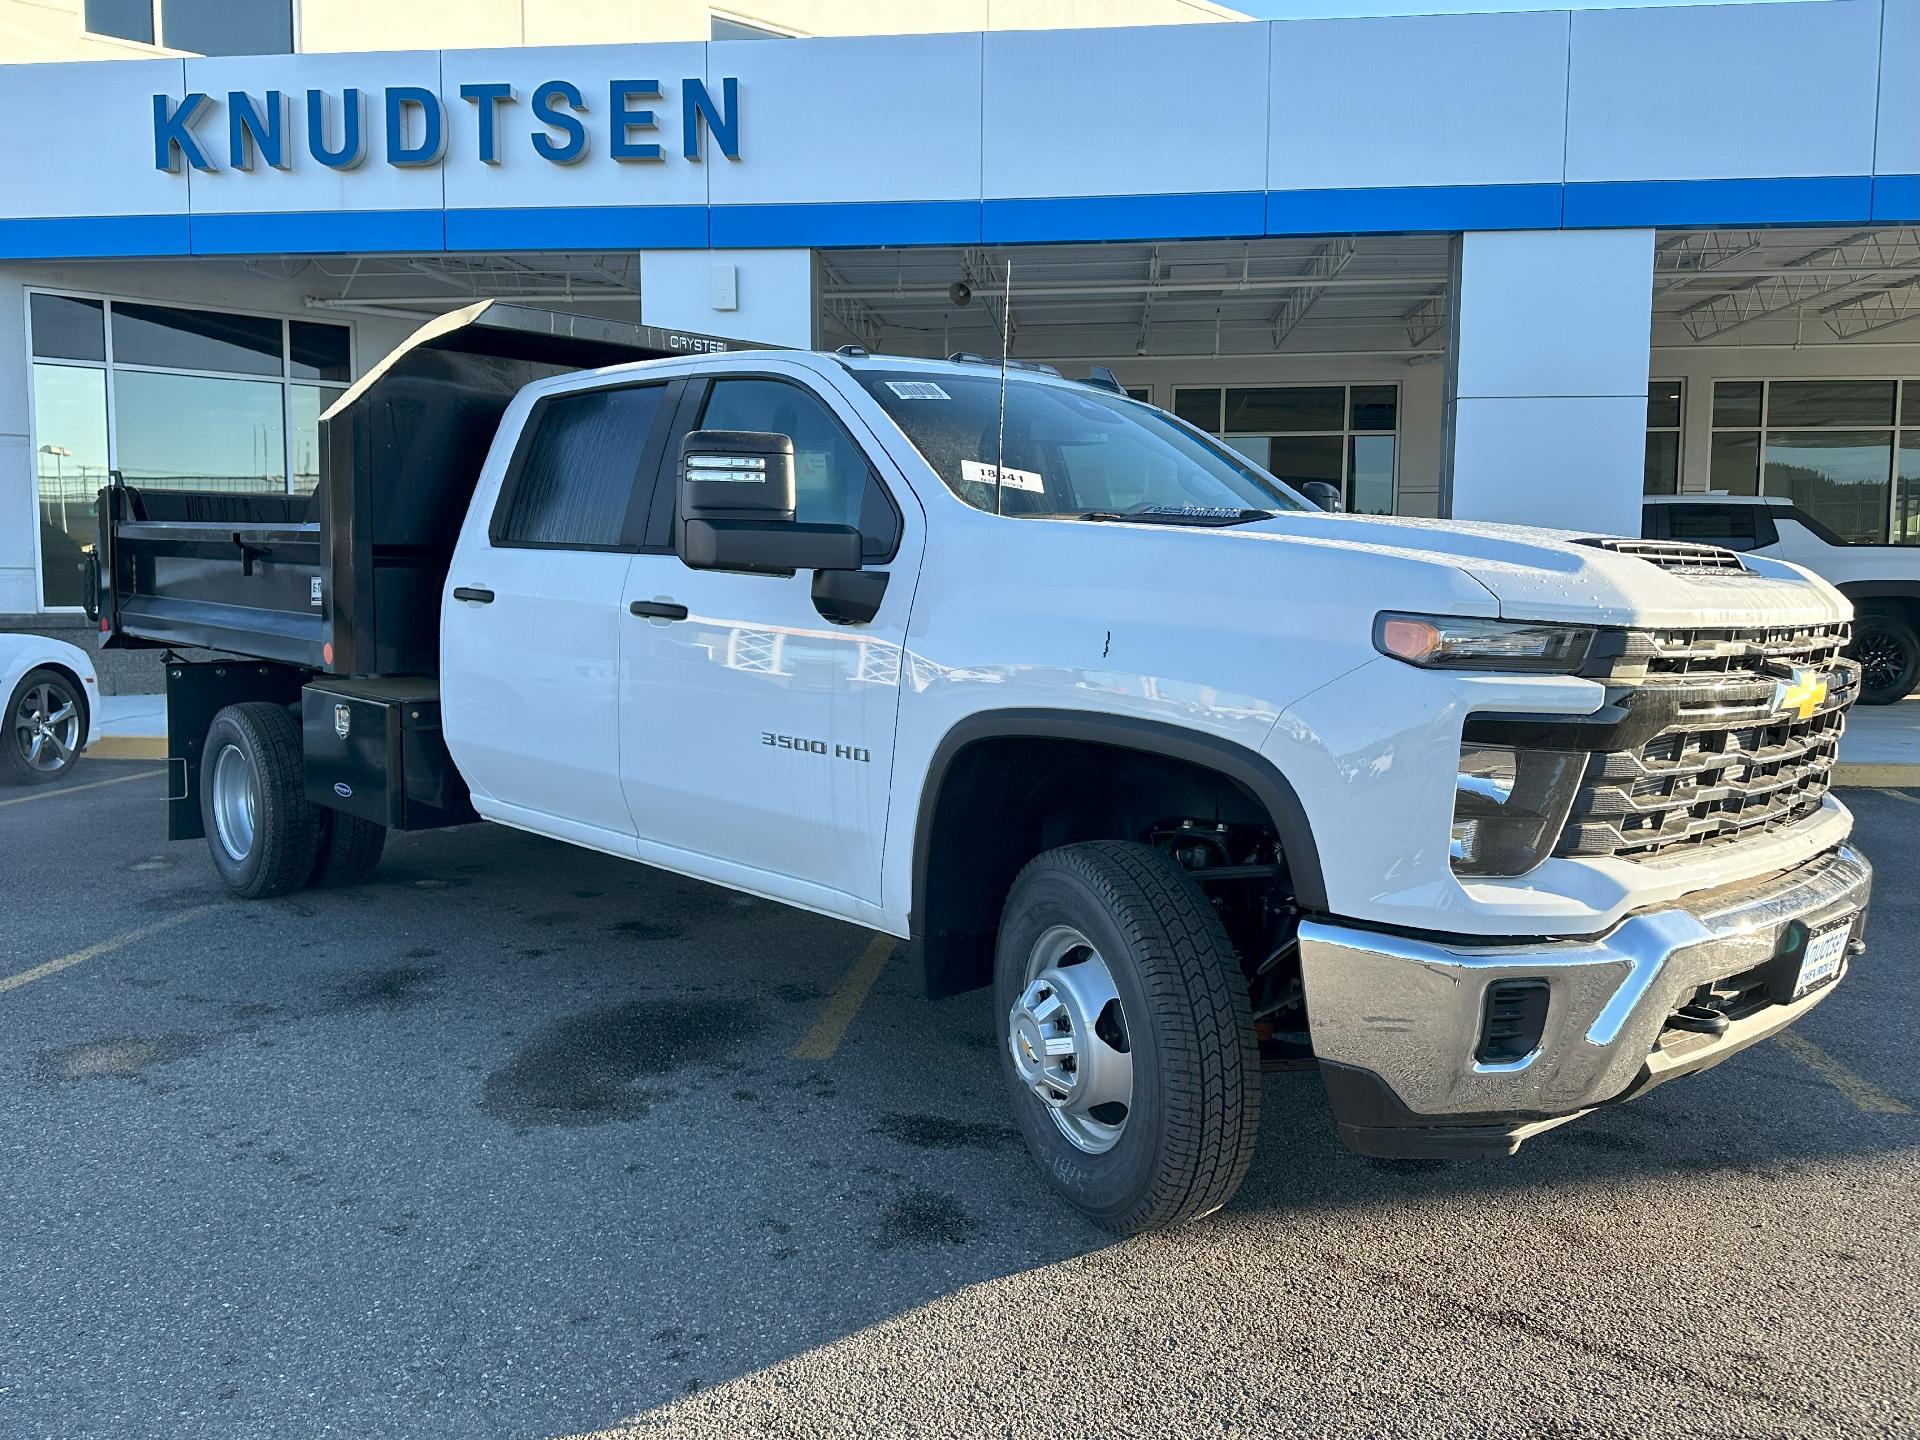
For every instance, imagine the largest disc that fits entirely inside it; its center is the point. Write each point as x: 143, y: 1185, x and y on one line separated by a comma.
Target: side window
x: 1729, y: 526
x: 833, y: 481
x: 578, y: 474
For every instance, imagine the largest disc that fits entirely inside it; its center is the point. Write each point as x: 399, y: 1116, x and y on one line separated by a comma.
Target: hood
x: 1538, y: 574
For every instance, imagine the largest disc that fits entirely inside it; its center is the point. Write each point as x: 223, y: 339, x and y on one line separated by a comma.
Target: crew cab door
x: 757, y: 735
x: 533, y: 617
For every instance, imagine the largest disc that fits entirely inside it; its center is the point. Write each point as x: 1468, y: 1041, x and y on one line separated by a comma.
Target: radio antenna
x: 1006, y: 331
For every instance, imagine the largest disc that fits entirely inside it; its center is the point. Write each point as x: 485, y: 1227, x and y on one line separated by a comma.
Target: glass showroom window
x: 1343, y: 434
x: 175, y: 399
x: 1664, y: 407
x: 205, y: 27
x: 1845, y: 451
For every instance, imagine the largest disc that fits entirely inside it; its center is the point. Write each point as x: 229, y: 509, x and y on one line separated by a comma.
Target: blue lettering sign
x: 173, y: 139
x: 433, y: 129
x: 696, y: 105
x: 251, y: 134
x: 488, y: 98
x: 574, y: 147
x: 353, y: 129
x: 261, y: 131
x: 625, y: 121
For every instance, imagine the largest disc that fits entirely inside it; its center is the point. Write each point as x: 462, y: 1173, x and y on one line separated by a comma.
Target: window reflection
x: 1838, y: 476
x: 193, y: 432
x: 305, y: 405
x: 70, y: 462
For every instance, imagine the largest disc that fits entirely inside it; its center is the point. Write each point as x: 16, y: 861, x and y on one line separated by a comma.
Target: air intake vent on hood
x: 1672, y: 555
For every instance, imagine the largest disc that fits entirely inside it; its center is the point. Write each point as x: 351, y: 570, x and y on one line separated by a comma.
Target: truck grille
x: 1719, y: 741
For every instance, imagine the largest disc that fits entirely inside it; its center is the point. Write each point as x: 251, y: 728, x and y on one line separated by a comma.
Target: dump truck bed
x: 347, y: 581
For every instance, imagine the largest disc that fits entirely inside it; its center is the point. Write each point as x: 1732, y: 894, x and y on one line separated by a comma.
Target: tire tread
x: 1211, y: 1061
x: 288, y: 828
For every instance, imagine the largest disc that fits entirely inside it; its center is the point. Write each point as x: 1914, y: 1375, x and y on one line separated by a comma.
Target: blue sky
x: 1321, y: 9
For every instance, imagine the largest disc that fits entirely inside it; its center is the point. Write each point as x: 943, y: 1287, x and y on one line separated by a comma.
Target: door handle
x: 478, y: 594
x: 658, y: 609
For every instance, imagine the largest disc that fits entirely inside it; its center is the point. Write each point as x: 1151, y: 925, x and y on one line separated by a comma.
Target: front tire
x: 46, y: 724
x: 1129, y: 1056
x: 1889, y: 656
x: 262, y: 830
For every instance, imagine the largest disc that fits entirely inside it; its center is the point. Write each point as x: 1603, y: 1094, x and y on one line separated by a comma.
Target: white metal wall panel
x: 80, y: 139
x: 889, y: 118
x: 1723, y: 91
x: 1147, y: 110
x: 1897, y: 142
x: 1567, y: 462
x: 1554, y: 313
x: 1426, y: 100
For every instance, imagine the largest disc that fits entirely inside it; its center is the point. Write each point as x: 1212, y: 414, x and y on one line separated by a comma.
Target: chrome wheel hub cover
x: 234, y: 802
x: 1067, y: 1034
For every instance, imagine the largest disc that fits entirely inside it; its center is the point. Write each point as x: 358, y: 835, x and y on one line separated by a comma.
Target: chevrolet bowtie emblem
x: 1803, y: 693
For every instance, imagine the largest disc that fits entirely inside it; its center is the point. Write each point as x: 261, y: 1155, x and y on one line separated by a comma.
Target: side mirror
x: 1325, y: 495
x: 737, y: 509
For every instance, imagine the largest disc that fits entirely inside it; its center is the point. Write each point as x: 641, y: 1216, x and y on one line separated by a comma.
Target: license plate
x: 1826, y: 952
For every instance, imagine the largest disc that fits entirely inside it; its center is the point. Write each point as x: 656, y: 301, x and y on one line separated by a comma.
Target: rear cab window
x: 584, y: 474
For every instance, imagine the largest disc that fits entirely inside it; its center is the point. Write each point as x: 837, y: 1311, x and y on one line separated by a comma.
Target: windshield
x: 1069, y: 451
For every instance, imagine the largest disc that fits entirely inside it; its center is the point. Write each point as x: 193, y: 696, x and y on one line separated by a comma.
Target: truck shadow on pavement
x: 510, y: 1141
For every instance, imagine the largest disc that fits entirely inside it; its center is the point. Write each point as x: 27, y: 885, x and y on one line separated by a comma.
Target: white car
x: 1882, y: 581
x: 51, y: 690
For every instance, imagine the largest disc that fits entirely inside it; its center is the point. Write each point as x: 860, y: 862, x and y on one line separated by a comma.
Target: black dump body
x: 347, y: 582
x: 332, y: 602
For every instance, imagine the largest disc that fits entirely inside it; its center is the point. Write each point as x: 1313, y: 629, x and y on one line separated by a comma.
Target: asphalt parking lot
x: 514, y: 1142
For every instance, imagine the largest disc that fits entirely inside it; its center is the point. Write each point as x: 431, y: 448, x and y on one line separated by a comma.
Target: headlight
x: 1509, y: 806
x: 1445, y: 642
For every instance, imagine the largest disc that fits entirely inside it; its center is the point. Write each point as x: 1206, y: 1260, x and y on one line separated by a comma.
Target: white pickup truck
x: 1882, y: 581
x: 1494, y: 825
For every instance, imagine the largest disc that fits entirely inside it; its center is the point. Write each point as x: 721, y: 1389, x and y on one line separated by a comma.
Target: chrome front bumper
x: 1396, y: 1020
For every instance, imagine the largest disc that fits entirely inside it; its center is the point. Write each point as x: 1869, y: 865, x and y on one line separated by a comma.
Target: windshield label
x: 917, y: 390
x: 1010, y: 479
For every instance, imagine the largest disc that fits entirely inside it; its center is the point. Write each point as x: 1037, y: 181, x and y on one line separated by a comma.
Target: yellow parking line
x: 824, y: 1037
x: 1863, y: 1095
x: 105, y: 947
x: 69, y: 789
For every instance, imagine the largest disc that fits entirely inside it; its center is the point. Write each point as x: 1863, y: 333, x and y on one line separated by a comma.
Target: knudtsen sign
x: 259, y: 131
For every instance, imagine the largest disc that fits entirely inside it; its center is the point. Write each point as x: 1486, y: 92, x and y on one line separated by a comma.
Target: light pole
x: 59, y: 453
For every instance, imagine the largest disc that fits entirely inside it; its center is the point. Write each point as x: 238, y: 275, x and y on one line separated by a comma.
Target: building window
x: 1342, y: 434
x: 1664, y: 408
x: 204, y: 27
x: 175, y: 399
x: 1845, y: 451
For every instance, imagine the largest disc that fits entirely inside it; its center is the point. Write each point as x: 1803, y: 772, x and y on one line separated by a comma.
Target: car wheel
x: 1889, y: 656
x: 262, y: 830
x: 1129, y: 1048
x: 46, y: 723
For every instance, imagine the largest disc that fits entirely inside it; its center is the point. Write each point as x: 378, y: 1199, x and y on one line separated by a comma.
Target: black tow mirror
x: 1324, y: 495
x: 737, y: 509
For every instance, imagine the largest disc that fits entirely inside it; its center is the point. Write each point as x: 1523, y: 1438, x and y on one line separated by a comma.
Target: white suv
x: 1882, y: 581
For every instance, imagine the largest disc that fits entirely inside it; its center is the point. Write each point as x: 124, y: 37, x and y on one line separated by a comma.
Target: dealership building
x: 1518, y: 266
